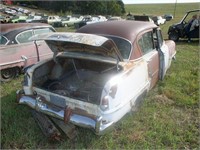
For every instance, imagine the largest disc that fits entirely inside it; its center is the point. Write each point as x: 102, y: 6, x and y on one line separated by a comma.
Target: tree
x: 110, y: 7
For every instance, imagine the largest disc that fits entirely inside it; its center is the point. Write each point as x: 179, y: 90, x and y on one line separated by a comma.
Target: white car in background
x: 31, y: 18
x: 161, y: 20
x: 158, y: 20
x: 96, y: 19
x: 69, y: 21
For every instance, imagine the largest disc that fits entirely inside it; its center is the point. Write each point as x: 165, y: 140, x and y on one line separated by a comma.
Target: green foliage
x: 111, y: 7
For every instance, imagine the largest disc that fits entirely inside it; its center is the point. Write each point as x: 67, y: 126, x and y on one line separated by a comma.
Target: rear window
x: 24, y: 37
x: 41, y: 31
x: 146, y: 42
x: 123, y: 45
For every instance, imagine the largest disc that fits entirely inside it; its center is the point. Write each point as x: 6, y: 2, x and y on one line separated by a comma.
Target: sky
x: 158, y: 1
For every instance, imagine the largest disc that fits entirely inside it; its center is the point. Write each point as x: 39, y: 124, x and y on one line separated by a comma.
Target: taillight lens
x: 105, y: 103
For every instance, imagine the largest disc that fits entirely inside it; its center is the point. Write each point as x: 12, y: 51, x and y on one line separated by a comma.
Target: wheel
x: 174, y: 36
x: 8, y: 74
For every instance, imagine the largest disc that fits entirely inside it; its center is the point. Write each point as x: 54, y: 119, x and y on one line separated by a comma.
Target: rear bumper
x: 96, y: 124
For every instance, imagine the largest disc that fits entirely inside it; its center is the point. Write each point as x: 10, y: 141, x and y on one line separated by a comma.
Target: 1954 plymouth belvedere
x: 97, y: 74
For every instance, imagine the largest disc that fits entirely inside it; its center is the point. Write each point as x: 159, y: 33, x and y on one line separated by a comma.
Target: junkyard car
x: 97, y: 74
x: 158, y: 20
x: 70, y: 21
x: 16, y: 49
x: 168, y: 17
x: 89, y: 20
x: 17, y: 19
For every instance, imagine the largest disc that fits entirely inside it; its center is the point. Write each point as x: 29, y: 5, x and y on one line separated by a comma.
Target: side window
x: 146, y: 42
x: 24, y: 37
x: 41, y: 31
x: 3, y: 40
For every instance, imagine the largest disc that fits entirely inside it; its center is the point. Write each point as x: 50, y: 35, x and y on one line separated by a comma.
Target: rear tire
x: 8, y: 74
x: 174, y: 36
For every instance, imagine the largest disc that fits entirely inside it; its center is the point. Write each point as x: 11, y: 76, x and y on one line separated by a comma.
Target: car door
x: 150, y: 55
x: 164, y: 53
x: 27, y: 50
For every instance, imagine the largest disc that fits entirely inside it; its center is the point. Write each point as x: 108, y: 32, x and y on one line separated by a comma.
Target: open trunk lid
x: 80, y: 42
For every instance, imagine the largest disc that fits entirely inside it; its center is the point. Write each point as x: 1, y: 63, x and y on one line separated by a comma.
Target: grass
x: 168, y: 118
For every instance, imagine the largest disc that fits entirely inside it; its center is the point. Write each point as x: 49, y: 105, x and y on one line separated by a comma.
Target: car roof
x: 126, y: 29
x: 195, y: 10
x: 5, y: 28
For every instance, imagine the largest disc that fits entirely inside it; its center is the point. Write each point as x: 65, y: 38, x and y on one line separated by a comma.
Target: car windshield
x: 190, y: 16
x: 3, y: 40
x: 123, y: 45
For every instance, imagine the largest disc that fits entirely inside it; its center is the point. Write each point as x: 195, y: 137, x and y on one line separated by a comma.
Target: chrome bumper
x: 97, y: 125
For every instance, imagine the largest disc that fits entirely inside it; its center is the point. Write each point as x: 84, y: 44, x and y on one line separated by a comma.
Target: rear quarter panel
x: 130, y: 84
x: 11, y: 55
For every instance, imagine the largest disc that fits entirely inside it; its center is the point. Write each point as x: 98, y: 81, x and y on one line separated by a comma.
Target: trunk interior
x: 80, y: 79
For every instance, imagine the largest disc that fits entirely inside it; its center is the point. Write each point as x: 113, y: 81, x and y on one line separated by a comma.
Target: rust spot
x: 19, y: 95
x: 55, y: 137
x: 128, y: 65
x: 82, y: 112
x: 67, y: 114
x: 132, y: 64
x: 47, y: 126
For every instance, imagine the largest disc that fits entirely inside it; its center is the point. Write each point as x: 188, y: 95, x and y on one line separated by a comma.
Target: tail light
x: 105, y: 103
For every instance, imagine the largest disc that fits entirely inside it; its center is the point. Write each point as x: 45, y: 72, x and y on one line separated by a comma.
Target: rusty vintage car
x: 18, y: 51
x: 98, y: 74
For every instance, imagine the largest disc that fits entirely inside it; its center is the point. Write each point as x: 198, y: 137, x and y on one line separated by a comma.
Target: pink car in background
x: 18, y: 51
